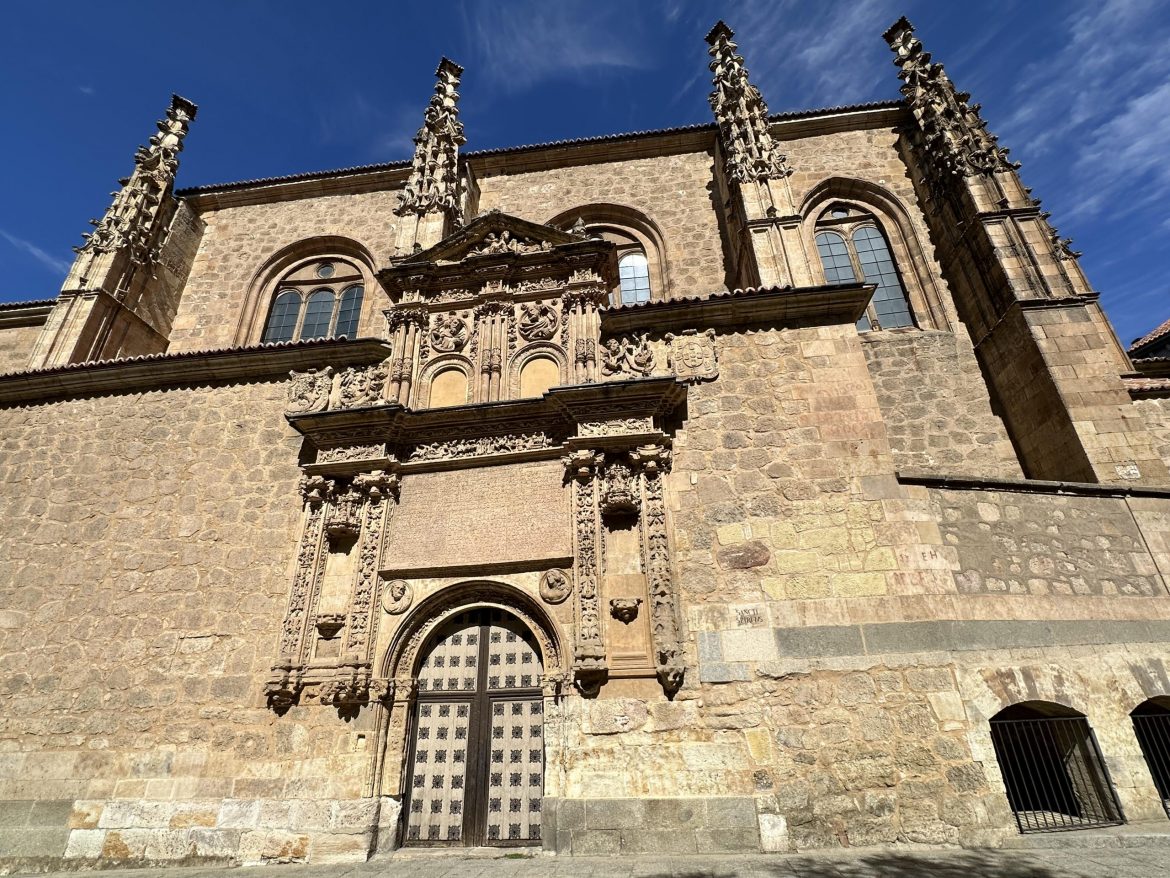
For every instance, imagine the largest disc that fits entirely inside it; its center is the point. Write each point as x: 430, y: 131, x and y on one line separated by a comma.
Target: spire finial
x: 434, y: 183
x: 742, y: 114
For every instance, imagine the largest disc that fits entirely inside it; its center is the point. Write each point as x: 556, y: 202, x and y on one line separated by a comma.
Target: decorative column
x: 652, y: 461
x: 582, y: 304
x: 589, y: 665
x: 432, y: 202
x: 493, y: 318
x: 755, y: 170
x: 99, y: 304
x: 1048, y: 350
x: 405, y: 323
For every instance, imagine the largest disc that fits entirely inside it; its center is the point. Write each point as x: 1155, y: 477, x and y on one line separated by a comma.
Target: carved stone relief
x: 692, y: 355
x: 360, y: 386
x: 309, y: 391
x: 397, y: 596
x: 627, y: 358
x: 555, y: 586
x: 625, y: 610
x: 475, y: 447
x: 449, y: 334
x: 538, y: 321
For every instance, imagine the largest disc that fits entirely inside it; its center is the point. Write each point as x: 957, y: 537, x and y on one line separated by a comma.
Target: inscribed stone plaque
x: 480, y: 517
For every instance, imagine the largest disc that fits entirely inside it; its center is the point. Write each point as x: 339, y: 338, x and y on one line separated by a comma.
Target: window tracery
x: 853, y: 248
x: 321, y: 299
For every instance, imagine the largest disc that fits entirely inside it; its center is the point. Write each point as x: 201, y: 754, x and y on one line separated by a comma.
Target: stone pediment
x: 496, y: 248
x: 496, y: 234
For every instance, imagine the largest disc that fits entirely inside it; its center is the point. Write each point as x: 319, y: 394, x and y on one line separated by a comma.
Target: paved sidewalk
x: 1135, y: 861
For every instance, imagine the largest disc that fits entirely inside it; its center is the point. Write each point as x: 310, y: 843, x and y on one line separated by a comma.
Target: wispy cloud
x: 1106, y: 94
x: 521, y: 44
x: 48, y: 260
x: 803, y: 55
x: 87, y: 90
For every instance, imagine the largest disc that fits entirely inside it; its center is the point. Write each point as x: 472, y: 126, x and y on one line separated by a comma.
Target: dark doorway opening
x: 1151, y: 724
x: 1052, y: 769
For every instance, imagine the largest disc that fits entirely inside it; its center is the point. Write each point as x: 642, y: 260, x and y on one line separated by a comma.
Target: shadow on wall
x: 935, y: 864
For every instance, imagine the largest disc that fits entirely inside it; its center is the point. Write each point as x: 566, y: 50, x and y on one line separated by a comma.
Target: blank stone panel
x: 476, y: 517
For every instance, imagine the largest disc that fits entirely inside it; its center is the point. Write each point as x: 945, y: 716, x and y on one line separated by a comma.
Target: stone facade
x: 769, y: 570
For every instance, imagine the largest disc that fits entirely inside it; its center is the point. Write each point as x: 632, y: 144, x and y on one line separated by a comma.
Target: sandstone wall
x: 148, y: 540
x: 16, y: 344
x: 238, y: 241
x: 673, y: 191
x: 1156, y: 413
x: 937, y: 412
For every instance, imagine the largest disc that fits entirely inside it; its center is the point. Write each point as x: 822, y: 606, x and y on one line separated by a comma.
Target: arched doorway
x: 475, y: 765
x: 1151, y: 725
x: 1053, y: 772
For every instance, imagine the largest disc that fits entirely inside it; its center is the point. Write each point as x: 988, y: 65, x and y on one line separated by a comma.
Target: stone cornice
x: 787, y: 305
x: 25, y: 313
x: 156, y: 371
x: 556, y: 416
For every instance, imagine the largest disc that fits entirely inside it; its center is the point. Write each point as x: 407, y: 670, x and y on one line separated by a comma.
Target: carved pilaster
x: 582, y: 306
x: 493, y: 326
x: 379, y: 489
x: 286, y: 681
x: 406, y: 325
x: 589, y: 663
x: 653, y: 461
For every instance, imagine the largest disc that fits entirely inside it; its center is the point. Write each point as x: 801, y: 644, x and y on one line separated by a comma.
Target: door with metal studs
x: 477, y: 754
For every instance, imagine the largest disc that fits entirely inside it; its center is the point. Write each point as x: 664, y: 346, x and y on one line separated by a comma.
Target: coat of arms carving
x: 692, y: 355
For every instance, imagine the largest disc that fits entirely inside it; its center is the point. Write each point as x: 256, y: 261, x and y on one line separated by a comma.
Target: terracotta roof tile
x: 1150, y: 337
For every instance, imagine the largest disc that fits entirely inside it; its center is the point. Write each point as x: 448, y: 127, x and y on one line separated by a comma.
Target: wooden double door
x: 476, y: 760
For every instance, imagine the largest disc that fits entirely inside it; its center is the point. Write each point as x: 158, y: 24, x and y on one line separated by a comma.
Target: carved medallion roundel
x: 555, y: 586
x: 396, y: 596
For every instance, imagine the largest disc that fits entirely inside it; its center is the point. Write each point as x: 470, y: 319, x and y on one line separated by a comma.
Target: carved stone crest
x: 449, y: 334
x: 555, y: 586
x: 309, y: 391
x: 362, y: 385
x: 627, y: 357
x: 692, y: 355
x: 397, y: 596
x: 538, y: 321
x: 619, y: 490
x: 625, y: 610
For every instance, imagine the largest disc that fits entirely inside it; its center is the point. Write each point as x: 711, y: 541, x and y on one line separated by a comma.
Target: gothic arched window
x: 852, y: 248
x: 634, y: 278
x: 317, y: 300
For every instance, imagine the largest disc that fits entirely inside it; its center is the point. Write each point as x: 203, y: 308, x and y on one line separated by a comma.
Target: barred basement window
x: 1052, y: 769
x: 1151, y: 725
x: 305, y: 308
x: 853, y: 248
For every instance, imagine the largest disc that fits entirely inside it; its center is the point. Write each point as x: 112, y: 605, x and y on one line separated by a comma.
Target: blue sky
x: 1080, y: 91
